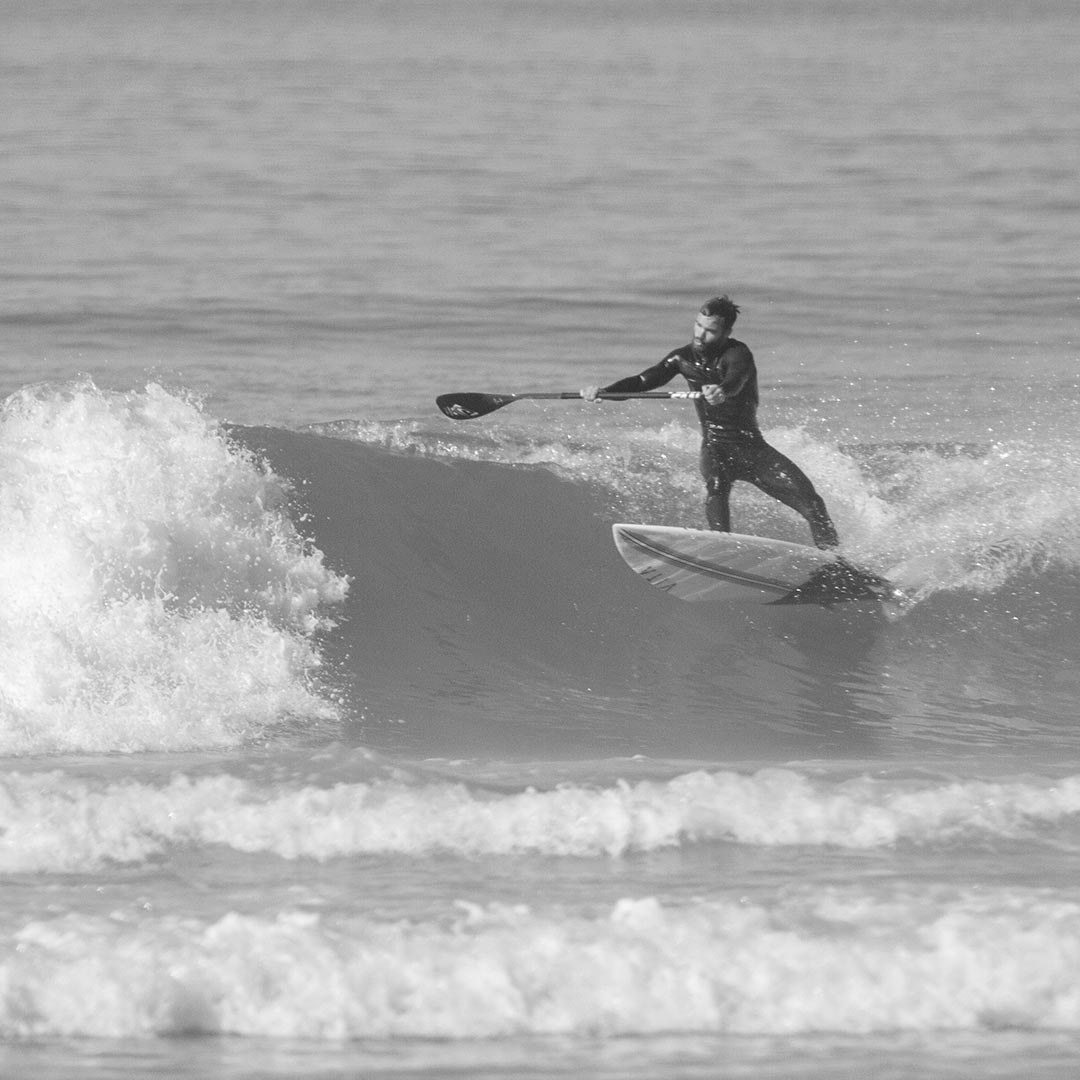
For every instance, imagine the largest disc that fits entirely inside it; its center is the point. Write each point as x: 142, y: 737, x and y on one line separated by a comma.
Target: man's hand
x: 589, y: 392
x: 713, y: 394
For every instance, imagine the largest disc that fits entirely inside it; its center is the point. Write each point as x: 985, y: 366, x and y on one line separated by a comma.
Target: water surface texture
x: 335, y: 737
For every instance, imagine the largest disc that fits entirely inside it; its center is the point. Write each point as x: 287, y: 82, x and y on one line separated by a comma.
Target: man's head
x: 713, y: 325
x: 722, y: 308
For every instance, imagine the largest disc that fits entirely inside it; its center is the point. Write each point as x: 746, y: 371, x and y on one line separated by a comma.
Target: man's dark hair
x: 721, y: 307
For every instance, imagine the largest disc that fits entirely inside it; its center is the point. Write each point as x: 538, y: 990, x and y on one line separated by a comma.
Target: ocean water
x: 335, y: 738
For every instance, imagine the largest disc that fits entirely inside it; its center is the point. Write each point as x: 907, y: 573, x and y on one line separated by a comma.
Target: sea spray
x: 158, y: 595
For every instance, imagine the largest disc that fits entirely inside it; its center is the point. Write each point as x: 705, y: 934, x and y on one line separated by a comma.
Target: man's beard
x: 708, y: 352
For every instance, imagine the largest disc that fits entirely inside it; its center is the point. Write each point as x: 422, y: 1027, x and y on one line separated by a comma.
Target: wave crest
x: 157, y: 592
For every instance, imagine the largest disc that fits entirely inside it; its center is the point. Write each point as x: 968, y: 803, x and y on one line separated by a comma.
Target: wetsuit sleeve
x: 735, y: 368
x: 649, y: 379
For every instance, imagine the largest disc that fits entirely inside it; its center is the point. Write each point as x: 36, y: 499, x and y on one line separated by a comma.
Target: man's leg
x: 718, y: 505
x: 781, y: 478
x: 718, y: 491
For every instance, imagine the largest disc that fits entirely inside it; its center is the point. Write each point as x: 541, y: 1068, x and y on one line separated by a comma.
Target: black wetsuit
x: 732, y: 446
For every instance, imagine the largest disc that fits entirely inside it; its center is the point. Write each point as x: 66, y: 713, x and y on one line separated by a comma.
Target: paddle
x: 470, y: 406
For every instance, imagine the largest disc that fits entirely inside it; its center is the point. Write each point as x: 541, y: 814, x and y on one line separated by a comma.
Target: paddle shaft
x: 568, y: 395
x: 468, y: 406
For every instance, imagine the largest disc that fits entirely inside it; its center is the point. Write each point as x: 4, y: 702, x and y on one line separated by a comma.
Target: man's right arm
x: 649, y: 379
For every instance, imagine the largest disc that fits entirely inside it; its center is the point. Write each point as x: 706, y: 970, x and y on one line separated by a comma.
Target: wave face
x: 489, y: 613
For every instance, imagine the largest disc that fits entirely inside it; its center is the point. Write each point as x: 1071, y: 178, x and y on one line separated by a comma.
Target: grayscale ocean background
x: 336, y: 738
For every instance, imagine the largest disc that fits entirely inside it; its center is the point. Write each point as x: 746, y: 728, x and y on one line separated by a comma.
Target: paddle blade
x: 470, y: 406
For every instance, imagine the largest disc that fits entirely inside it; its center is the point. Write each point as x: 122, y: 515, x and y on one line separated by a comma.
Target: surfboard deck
x: 703, y: 565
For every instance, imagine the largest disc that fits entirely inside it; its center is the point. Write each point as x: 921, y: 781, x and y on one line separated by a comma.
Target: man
x: 732, y: 446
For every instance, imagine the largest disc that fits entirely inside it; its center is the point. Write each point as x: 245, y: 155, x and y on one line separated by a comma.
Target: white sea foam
x: 974, y: 521
x: 156, y: 592
x: 54, y: 823
x: 833, y: 960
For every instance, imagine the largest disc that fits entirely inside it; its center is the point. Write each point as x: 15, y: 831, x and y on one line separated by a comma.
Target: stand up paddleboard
x: 700, y: 564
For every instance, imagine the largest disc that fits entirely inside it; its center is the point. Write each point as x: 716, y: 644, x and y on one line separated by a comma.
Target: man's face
x: 709, y: 335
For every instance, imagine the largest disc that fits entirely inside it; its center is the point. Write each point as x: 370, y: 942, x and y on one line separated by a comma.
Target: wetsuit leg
x: 718, y: 490
x: 781, y: 478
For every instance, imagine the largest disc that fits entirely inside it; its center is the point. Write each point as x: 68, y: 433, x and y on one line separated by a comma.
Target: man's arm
x: 735, y: 369
x: 649, y: 379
